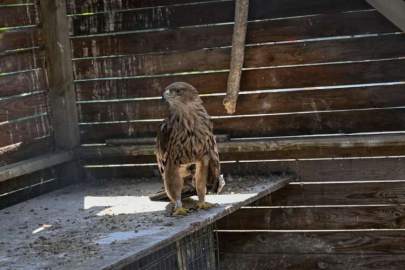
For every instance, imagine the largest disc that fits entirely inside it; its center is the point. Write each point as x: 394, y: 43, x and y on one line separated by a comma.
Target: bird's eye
x: 178, y: 91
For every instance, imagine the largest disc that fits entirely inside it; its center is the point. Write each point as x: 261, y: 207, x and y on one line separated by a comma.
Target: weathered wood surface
x: 312, y: 261
x: 14, y: 2
x: 309, y: 170
x: 27, y: 187
x: 341, y: 122
x: 25, y: 82
x: 14, y: 108
x: 60, y: 73
x: 337, y: 194
x: 25, y: 130
x: 394, y: 10
x: 348, y: 242
x: 117, y: 148
x: 316, y: 218
x: 34, y: 164
x: 25, y: 60
x: 256, y: 56
x: 78, y: 6
x: 237, y: 54
x: 184, y: 39
x: 20, y: 38
x: 260, y: 103
x: 204, y: 13
x: 81, y: 212
x: 19, y: 16
x: 280, y: 78
x: 25, y: 150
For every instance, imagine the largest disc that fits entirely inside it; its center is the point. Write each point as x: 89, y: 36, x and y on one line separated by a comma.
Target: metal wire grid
x: 197, y: 251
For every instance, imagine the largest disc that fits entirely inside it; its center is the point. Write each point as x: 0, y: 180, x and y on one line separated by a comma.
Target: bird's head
x: 180, y: 92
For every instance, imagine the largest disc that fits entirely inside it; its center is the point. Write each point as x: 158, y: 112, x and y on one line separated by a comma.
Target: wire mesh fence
x: 197, y: 251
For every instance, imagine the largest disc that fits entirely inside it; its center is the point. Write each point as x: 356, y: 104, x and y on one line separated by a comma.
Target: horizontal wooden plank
x: 25, y: 130
x: 185, y: 39
x: 264, y: 145
x: 330, y: 170
x: 312, y: 261
x: 294, y: 77
x: 203, y: 13
x: 308, y: 170
x: 19, y: 107
x: 15, y: 2
x: 355, y: 242
x: 25, y: 150
x: 344, y: 122
x: 323, y: 218
x: 19, y: 15
x: 261, y: 103
x: 337, y: 194
x: 355, y: 49
x: 78, y: 7
x: 20, y: 38
x: 25, y: 82
x: 26, y: 60
x: 34, y: 164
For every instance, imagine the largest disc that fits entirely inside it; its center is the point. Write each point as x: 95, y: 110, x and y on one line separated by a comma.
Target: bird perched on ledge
x: 183, y: 139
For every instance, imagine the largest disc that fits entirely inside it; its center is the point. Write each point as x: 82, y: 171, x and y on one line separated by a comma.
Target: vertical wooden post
x: 238, y: 54
x: 60, y: 74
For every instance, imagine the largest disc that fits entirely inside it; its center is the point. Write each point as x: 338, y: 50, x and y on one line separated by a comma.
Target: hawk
x: 185, y: 145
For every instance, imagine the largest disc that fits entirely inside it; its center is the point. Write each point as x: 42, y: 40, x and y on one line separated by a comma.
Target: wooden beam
x: 60, y: 74
x: 240, y: 146
x: 394, y: 10
x: 237, y: 55
x: 34, y: 164
x: 62, y: 92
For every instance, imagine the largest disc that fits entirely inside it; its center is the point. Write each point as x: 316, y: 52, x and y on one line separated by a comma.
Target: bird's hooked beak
x: 166, y: 96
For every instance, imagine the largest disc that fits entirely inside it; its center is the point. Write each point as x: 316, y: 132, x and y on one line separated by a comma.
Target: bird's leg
x: 201, y: 184
x: 173, y: 186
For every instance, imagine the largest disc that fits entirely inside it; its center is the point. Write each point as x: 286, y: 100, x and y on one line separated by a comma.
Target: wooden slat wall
x: 312, y: 63
x: 109, y: 80
x: 25, y: 129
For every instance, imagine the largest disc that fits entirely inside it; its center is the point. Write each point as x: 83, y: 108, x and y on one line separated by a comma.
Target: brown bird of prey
x: 183, y: 139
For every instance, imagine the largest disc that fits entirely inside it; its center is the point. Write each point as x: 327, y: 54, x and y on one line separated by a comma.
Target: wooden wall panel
x: 28, y: 186
x: 23, y: 15
x: 185, y: 39
x: 345, y: 122
x: 20, y: 38
x: 24, y: 82
x: 260, y: 103
x: 255, y: 57
x: 204, y: 13
x: 24, y: 130
x: 316, y: 218
x: 24, y: 60
x: 259, y: 79
x: 337, y: 194
x: 345, y: 242
x: 330, y: 170
x: 14, y: 108
x: 25, y: 150
x: 312, y: 261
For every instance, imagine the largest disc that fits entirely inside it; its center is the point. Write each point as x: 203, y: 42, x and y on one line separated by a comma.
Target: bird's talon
x: 181, y: 211
x: 205, y: 205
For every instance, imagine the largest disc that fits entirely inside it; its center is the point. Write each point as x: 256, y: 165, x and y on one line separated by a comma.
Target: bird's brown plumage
x: 185, y: 138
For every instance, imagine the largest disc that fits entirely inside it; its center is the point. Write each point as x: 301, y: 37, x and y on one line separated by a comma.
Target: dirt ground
x: 97, y: 224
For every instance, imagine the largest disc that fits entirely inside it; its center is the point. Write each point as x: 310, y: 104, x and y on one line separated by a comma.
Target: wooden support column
x: 61, y: 84
x: 238, y: 54
x: 394, y: 10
